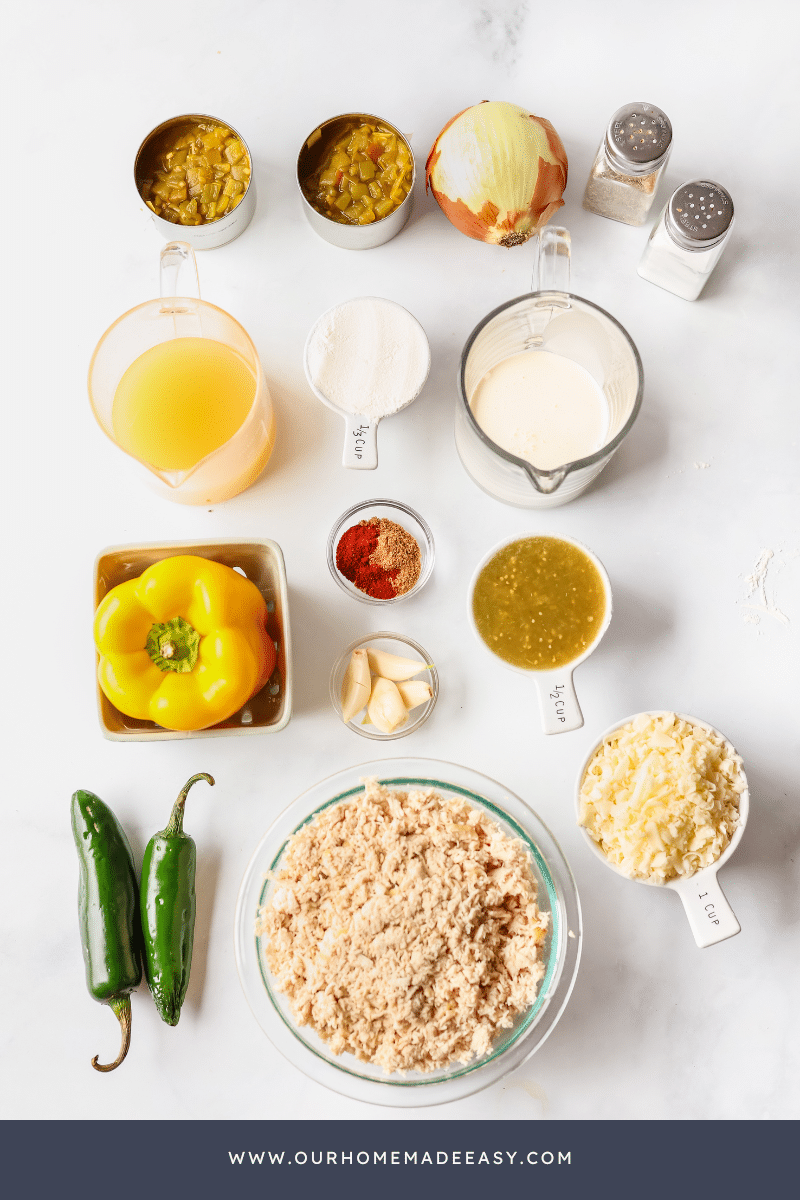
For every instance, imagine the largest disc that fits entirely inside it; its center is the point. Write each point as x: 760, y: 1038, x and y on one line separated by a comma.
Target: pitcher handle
x: 178, y: 271
x: 551, y: 260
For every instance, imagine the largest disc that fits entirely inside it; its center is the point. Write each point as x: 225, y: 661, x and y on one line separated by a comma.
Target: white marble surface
x: 708, y: 479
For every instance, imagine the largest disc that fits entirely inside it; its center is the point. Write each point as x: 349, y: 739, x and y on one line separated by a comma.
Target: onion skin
x: 482, y: 174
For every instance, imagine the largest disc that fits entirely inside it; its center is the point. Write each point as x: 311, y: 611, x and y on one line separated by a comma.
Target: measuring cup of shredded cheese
x: 662, y: 799
x: 366, y: 359
x: 541, y: 604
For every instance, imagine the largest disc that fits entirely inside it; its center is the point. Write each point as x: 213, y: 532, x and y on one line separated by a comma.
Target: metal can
x: 349, y: 237
x: 213, y: 233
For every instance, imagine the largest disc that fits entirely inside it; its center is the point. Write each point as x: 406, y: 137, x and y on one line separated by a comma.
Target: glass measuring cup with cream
x: 541, y: 604
x: 366, y: 359
x: 549, y: 385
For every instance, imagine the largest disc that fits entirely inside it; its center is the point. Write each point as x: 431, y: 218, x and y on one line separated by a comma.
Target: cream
x: 541, y: 407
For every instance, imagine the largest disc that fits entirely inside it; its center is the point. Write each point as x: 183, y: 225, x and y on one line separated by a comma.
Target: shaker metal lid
x: 701, y: 210
x: 639, y: 135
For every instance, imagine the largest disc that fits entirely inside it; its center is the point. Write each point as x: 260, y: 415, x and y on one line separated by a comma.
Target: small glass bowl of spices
x: 380, y: 551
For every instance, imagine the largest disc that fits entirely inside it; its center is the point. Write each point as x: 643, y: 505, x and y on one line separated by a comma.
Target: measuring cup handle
x: 178, y: 271
x: 551, y: 257
x: 360, y: 443
x: 711, y: 917
x: 558, y: 703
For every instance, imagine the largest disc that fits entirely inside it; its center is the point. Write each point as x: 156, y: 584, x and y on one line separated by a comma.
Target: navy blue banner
x: 320, y: 1159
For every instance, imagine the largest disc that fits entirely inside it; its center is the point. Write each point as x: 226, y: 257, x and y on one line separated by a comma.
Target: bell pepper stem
x: 175, y: 824
x: 121, y: 1007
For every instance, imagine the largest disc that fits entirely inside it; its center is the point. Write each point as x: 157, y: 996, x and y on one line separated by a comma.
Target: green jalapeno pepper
x: 108, y: 911
x: 168, y: 910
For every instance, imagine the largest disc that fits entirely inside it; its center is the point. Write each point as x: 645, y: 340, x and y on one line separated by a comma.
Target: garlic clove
x: 392, y: 666
x: 356, y: 685
x: 414, y: 692
x: 386, y: 709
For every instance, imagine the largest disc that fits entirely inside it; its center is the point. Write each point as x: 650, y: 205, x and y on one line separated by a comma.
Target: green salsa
x: 539, y: 603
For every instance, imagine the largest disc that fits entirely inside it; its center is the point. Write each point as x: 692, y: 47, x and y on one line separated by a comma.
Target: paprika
x: 380, y: 557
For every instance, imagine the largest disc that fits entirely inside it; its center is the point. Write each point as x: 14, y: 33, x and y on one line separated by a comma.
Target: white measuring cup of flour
x: 559, y: 709
x: 710, y: 915
x: 366, y: 359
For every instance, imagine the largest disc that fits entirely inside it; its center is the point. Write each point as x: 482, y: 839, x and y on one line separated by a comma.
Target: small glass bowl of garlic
x: 384, y: 686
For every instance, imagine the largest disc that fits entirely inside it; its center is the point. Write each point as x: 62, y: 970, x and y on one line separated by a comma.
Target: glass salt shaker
x: 688, y: 238
x: 624, y: 176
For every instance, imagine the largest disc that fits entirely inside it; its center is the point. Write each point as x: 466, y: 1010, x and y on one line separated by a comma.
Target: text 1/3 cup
x: 553, y: 319
x: 209, y: 234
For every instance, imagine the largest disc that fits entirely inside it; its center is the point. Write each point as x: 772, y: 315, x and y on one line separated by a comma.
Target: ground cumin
x: 380, y: 557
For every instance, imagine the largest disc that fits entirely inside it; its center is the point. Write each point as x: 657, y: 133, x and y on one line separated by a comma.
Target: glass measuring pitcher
x: 550, y: 318
x: 177, y: 384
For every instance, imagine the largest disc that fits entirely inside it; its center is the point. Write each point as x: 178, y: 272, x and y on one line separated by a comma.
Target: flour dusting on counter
x: 756, y: 583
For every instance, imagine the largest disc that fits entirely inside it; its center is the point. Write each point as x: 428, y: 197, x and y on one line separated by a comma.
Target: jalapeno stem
x: 121, y: 1007
x: 175, y: 824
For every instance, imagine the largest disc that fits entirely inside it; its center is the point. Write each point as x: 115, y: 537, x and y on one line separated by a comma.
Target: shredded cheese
x: 661, y: 797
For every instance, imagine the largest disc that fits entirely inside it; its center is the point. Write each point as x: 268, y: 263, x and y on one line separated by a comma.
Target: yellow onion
x: 497, y: 172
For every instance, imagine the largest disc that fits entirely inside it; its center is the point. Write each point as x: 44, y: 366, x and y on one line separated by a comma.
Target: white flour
x: 368, y: 356
x: 756, y: 584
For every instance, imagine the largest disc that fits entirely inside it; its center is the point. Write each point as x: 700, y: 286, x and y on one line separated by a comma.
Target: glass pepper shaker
x: 688, y: 238
x: 624, y: 176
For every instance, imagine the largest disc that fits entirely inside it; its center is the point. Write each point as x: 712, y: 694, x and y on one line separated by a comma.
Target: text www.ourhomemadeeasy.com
x: 401, y: 1158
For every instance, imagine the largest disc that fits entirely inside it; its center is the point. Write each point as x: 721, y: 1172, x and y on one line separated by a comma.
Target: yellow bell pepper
x: 184, y: 645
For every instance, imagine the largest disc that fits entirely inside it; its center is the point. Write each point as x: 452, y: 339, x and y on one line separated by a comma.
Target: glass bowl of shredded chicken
x: 407, y: 932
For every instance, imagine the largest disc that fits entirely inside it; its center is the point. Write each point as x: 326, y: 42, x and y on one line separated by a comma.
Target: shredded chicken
x: 403, y: 927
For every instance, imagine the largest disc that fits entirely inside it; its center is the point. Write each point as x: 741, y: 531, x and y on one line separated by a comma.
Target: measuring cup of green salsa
x: 541, y: 604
